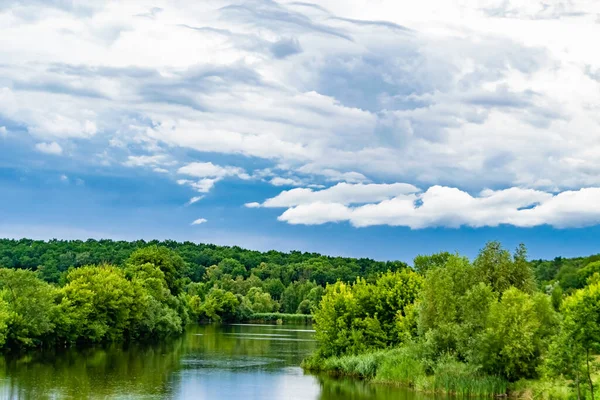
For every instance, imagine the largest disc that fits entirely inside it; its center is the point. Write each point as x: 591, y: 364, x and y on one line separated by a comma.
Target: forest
x: 493, y: 325
x: 76, y: 292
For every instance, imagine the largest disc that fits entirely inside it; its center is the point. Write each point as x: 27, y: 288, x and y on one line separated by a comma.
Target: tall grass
x: 404, y: 367
x: 451, y: 376
x: 546, y: 389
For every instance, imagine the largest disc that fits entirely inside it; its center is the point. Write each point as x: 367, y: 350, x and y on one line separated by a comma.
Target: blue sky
x: 356, y: 128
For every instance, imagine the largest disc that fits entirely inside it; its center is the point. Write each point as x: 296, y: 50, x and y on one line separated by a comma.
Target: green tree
x: 233, y: 267
x: 4, y: 321
x: 103, y: 304
x: 30, y: 304
x: 582, y: 324
x: 294, y: 294
x: 160, y: 315
x: 495, y: 266
x: 518, y: 331
x: 441, y: 301
x: 423, y: 263
x: 169, y: 262
x: 261, y: 302
x: 274, y: 287
x: 219, y: 305
x: 363, y: 316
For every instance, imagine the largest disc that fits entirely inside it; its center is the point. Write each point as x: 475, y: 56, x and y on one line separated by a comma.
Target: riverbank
x: 400, y: 367
x: 279, y: 318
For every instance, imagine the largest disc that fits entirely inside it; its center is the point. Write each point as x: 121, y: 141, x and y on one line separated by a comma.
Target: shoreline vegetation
x: 499, y: 325
x: 483, y: 328
x: 279, y: 318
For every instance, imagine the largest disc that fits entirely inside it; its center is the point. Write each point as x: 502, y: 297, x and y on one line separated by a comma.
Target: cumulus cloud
x: 442, y: 206
x: 342, y: 193
x: 199, y: 221
x: 49, y: 148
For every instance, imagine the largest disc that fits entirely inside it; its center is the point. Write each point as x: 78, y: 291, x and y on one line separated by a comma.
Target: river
x: 231, y: 362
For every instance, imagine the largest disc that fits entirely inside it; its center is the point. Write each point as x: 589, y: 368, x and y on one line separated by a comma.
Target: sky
x: 368, y: 128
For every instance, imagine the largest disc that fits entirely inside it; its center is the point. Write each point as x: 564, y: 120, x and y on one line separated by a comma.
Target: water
x: 241, y: 362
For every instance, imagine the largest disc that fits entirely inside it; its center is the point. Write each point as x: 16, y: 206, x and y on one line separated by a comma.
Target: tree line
x: 67, y: 292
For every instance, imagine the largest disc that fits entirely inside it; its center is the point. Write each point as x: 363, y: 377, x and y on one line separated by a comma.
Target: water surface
x: 234, y: 362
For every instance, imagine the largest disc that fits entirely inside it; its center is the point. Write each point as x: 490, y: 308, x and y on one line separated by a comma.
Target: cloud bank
x: 350, y: 96
x: 439, y: 206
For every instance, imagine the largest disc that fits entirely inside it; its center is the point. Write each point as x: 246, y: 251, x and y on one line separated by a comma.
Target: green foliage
x: 169, y: 262
x: 495, y: 266
x: 294, y: 294
x: 28, y: 310
x: 294, y: 319
x: 274, y: 287
x: 97, y: 304
x: 463, y: 328
x: 517, y: 333
x: 102, y: 303
x: 219, y: 306
x: 55, y: 257
x: 355, y: 318
x: 162, y: 312
x: 261, y: 302
x: 404, y: 366
x: 581, y: 325
x: 232, y: 267
x: 4, y: 322
x: 423, y: 263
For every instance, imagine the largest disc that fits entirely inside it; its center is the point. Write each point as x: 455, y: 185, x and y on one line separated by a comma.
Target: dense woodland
x: 66, y: 292
x: 446, y: 323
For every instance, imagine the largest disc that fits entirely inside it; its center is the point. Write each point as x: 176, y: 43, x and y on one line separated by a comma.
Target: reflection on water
x: 208, y: 362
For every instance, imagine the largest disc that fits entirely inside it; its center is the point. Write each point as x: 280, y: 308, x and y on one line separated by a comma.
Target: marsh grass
x: 556, y: 389
x: 403, y: 367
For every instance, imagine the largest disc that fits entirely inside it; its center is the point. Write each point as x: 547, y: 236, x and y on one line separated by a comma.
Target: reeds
x: 403, y: 367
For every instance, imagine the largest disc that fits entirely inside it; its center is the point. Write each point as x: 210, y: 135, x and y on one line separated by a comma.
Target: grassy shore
x: 296, y: 319
x: 402, y: 367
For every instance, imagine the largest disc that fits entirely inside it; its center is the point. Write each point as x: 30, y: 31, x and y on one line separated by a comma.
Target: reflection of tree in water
x: 106, y: 372
x: 149, y: 371
x: 232, y: 347
x: 355, y: 389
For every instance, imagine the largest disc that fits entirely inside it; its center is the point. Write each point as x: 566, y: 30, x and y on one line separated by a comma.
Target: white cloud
x: 203, y: 185
x: 64, y: 178
x: 343, y: 193
x: 356, y: 92
x: 3, y: 131
x: 210, y: 170
x: 194, y: 199
x: 279, y: 181
x: 153, y: 160
x: 199, y: 221
x: 49, y: 148
x: 451, y: 207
